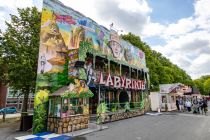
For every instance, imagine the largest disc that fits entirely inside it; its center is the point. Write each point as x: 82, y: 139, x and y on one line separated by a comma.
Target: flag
x: 111, y: 25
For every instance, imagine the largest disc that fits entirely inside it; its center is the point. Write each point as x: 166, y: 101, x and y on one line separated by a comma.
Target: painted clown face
x: 116, y: 49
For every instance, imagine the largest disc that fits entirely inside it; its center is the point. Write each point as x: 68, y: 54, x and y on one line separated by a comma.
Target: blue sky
x: 166, y: 12
x: 179, y: 29
x: 169, y: 11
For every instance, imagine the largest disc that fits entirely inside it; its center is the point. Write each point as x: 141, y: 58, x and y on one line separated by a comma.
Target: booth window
x: 55, y: 107
x: 75, y: 106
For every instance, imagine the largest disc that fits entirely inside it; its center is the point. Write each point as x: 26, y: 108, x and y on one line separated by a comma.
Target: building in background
x: 165, y: 99
x: 8, y: 98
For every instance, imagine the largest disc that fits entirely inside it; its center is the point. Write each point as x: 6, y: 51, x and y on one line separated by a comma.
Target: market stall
x: 68, y: 110
x: 165, y: 99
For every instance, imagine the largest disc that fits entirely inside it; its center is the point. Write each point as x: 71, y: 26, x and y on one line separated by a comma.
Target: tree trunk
x: 26, y: 120
x: 25, y: 104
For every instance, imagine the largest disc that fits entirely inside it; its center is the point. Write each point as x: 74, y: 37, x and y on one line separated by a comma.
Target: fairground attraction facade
x: 84, y: 70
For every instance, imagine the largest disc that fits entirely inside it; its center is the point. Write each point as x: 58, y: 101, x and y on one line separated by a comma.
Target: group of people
x: 197, y: 105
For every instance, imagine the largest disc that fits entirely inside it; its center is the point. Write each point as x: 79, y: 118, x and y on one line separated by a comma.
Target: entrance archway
x: 123, y: 98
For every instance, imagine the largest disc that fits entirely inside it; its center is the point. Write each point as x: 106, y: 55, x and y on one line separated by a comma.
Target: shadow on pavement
x: 78, y: 138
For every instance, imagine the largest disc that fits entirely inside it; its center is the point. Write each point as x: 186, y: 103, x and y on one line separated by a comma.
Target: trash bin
x: 26, y: 122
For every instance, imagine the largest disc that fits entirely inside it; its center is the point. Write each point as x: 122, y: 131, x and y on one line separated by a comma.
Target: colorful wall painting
x: 66, y: 36
x: 63, y: 28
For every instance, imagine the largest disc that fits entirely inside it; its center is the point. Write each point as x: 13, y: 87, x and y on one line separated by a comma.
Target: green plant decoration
x: 72, y: 94
x: 82, y: 74
x: 101, y: 110
x: 64, y: 109
x: 114, y: 107
x: 83, y: 49
x: 41, y: 97
x: 40, y: 119
x: 142, y: 104
x: 40, y: 111
x: 127, y: 107
x: 86, y: 94
x: 69, y: 94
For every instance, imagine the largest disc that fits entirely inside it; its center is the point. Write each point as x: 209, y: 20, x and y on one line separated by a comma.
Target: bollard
x: 158, y: 110
x: 4, y: 116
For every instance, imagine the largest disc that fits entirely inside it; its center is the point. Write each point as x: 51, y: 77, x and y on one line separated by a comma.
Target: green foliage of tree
x: 161, y: 70
x: 202, y: 84
x: 207, y: 86
x: 19, y: 51
x: 1, y: 62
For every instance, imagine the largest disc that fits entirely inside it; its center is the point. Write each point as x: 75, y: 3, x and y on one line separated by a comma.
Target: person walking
x: 188, y: 105
x: 177, y: 103
x: 181, y: 104
x: 200, y: 105
x: 205, y: 106
x: 195, y: 105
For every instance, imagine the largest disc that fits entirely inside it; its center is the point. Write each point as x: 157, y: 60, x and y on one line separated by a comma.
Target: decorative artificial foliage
x: 40, y: 111
x: 127, y: 106
x: 101, y: 110
x: 72, y: 94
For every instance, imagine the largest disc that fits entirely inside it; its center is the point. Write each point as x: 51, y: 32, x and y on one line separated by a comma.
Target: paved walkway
x: 67, y: 136
x: 44, y: 136
x: 9, y: 116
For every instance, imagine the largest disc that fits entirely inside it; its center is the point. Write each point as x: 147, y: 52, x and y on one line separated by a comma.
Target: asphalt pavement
x: 170, y: 126
x: 163, y: 127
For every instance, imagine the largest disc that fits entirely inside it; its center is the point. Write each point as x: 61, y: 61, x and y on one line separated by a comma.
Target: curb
x: 88, y: 131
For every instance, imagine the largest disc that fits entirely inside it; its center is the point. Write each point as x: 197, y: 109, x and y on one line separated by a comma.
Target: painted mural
x: 62, y: 31
x: 65, y: 39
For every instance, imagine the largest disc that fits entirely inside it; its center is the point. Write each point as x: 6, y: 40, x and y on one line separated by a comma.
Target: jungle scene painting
x: 66, y: 37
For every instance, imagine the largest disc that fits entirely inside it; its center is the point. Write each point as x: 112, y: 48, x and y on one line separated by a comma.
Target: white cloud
x: 183, y: 26
x: 200, y: 66
x: 153, y: 29
x: 184, y: 50
x: 202, y: 8
x: 129, y: 15
x: 8, y: 7
x: 187, y: 40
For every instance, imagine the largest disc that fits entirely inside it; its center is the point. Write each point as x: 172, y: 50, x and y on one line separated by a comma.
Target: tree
x: 199, y: 83
x: 19, y: 46
x: 2, y: 66
x: 207, y: 86
x: 161, y: 70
